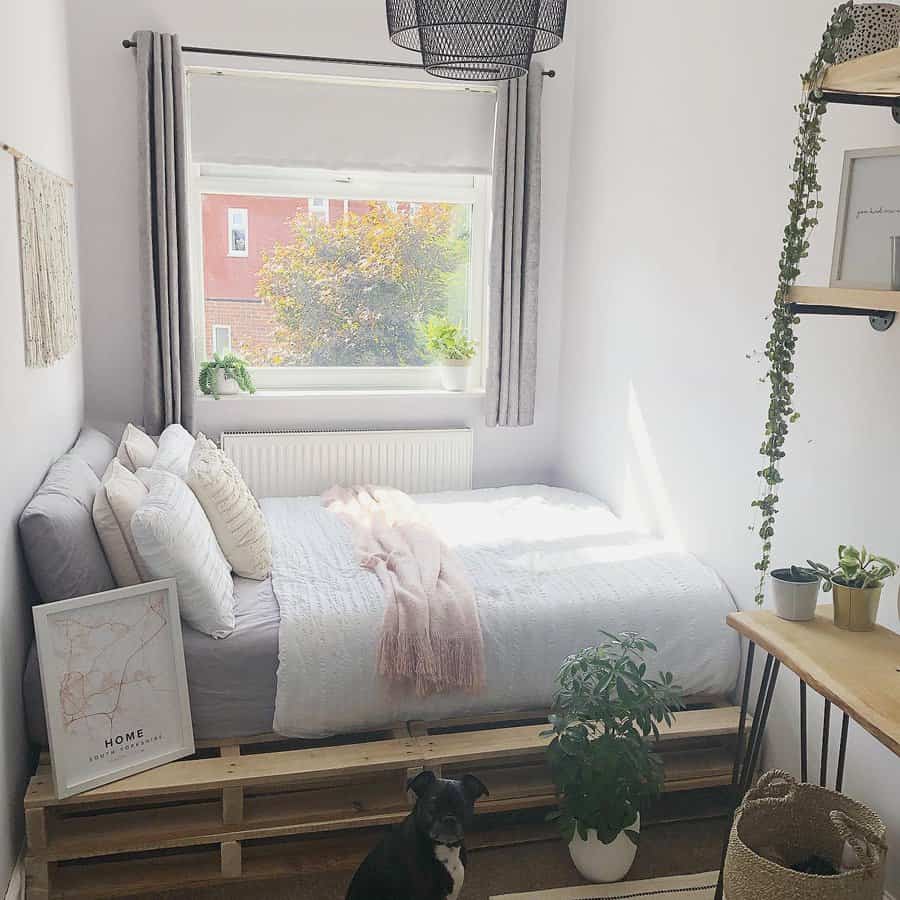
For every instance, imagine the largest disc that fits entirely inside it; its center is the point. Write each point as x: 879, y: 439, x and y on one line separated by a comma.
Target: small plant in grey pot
x: 224, y: 376
x: 795, y: 591
x: 857, y: 580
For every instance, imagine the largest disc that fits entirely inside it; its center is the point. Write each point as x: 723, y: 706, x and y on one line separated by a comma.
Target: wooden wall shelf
x: 847, y: 298
x: 877, y: 74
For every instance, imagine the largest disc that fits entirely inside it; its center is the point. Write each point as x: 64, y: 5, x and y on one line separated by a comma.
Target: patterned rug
x: 685, y: 887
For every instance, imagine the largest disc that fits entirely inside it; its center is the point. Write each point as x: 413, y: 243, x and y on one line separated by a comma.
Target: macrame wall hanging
x: 50, y: 309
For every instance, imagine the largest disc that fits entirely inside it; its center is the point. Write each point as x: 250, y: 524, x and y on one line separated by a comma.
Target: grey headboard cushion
x: 95, y: 448
x: 61, y: 545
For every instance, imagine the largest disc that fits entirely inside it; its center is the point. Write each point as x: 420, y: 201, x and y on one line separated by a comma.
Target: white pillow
x: 175, y: 540
x: 174, y: 455
x: 120, y: 494
x: 232, y: 510
x: 136, y: 449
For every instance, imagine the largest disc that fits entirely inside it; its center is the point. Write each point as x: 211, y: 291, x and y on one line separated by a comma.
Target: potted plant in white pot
x: 224, y: 376
x: 605, y: 712
x: 796, y: 593
x: 857, y: 580
x: 451, y: 348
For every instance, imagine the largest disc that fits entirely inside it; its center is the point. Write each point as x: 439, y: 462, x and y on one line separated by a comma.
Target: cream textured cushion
x: 232, y: 510
x: 175, y: 540
x: 175, y: 447
x: 121, y: 493
x: 136, y: 449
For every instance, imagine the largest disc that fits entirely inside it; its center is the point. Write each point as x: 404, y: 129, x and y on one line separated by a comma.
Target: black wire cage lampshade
x: 476, y: 40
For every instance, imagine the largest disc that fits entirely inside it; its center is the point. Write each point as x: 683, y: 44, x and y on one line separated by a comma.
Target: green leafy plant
x: 855, y: 569
x: 233, y: 367
x: 604, y: 712
x: 445, y: 340
x: 803, y: 209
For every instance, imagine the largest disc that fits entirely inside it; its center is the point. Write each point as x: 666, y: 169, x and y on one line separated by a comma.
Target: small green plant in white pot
x: 451, y: 348
x: 857, y: 581
x: 605, y: 712
x: 224, y: 376
x: 795, y: 591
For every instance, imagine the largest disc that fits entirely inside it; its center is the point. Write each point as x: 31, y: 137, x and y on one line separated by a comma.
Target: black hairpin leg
x: 842, y: 756
x: 745, y: 700
x: 804, y: 761
x: 754, y: 744
x: 826, y: 728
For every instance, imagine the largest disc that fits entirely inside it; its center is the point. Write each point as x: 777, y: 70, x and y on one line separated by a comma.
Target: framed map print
x: 115, y: 690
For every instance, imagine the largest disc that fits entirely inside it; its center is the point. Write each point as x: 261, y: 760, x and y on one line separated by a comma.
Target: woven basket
x: 782, y: 823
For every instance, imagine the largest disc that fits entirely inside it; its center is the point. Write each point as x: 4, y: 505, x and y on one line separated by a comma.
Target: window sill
x: 343, y: 393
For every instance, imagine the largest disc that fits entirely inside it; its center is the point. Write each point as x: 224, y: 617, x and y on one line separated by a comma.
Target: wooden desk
x: 858, y: 672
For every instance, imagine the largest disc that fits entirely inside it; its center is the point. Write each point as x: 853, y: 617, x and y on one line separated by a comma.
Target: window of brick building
x: 318, y: 208
x: 221, y: 339
x: 343, y: 270
x: 238, y: 232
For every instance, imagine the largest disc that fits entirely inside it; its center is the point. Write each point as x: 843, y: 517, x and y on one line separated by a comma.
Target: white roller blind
x: 340, y: 124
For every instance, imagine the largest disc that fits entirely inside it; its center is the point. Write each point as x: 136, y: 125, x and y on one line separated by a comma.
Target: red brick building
x: 236, y: 230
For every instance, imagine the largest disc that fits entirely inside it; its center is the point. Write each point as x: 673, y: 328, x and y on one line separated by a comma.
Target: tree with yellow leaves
x: 351, y: 292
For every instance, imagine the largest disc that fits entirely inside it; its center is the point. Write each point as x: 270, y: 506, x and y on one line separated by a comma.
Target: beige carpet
x: 685, y: 887
x: 667, y: 849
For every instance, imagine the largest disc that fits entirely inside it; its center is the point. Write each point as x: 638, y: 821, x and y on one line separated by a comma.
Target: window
x: 318, y: 208
x: 344, y: 269
x: 238, y: 232
x: 221, y: 339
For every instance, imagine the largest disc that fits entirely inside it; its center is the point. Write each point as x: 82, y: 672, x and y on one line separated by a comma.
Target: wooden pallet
x: 266, y: 807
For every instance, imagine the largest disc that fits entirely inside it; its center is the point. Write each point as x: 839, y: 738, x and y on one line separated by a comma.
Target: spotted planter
x: 877, y: 29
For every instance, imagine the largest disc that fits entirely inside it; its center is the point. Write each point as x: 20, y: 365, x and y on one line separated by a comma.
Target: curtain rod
x: 258, y: 54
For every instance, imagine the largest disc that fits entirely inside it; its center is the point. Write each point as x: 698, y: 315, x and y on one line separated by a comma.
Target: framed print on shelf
x: 868, y: 218
x: 114, y: 683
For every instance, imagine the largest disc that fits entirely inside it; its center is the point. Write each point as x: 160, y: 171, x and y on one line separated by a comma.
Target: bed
x: 551, y: 568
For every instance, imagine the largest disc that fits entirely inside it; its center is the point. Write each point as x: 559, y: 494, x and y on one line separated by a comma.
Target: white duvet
x: 550, y: 569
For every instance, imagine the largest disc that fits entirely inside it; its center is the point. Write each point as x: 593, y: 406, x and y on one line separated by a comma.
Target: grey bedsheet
x: 231, y: 682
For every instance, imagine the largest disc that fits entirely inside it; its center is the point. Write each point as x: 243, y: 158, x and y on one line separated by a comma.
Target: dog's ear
x: 473, y: 787
x: 421, y: 782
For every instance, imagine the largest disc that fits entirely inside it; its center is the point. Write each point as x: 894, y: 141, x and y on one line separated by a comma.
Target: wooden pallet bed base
x: 267, y: 806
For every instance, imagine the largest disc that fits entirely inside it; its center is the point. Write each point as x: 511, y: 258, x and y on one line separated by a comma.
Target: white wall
x: 106, y: 135
x: 40, y: 408
x: 683, y: 124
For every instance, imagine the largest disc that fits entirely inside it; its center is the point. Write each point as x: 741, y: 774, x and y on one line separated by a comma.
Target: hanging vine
x: 804, y: 208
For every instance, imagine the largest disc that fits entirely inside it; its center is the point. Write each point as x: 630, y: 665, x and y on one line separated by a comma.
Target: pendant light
x: 476, y: 40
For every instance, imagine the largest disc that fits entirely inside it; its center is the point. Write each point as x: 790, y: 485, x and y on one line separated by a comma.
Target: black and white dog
x: 423, y: 858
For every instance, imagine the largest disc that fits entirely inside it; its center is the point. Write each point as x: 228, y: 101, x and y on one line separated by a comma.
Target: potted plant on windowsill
x: 857, y: 581
x: 224, y: 376
x: 796, y: 593
x: 451, y: 348
x: 605, y: 712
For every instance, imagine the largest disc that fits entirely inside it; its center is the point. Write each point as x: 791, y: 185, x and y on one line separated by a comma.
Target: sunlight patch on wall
x: 646, y: 501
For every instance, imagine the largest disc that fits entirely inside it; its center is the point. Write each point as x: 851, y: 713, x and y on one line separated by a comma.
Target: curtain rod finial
x: 128, y: 44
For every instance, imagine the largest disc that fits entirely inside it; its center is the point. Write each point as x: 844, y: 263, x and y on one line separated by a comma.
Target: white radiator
x: 305, y: 463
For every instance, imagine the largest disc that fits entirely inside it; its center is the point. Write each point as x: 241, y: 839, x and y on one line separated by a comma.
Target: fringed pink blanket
x: 431, y: 636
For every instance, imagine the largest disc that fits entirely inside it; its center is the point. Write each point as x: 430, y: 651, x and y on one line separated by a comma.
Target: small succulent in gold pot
x: 857, y: 581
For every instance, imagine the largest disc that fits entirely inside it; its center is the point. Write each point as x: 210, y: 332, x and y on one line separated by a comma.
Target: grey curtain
x: 515, y: 252
x: 168, y: 333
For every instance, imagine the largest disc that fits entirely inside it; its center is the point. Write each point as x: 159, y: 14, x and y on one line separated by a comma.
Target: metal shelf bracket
x: 879, y: 319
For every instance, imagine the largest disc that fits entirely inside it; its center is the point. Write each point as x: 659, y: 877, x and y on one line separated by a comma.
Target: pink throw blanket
x: 431, y: 636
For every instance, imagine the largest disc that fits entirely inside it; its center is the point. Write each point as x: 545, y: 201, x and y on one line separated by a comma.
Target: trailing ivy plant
x: 803, y: 209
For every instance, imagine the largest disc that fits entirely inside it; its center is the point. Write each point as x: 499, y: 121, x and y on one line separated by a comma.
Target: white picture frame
x: 114, y: 684
x: 868, y: 216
